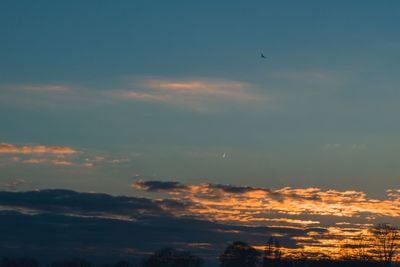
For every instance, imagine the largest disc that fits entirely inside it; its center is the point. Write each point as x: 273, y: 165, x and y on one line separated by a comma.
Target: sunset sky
x: 170, y: 101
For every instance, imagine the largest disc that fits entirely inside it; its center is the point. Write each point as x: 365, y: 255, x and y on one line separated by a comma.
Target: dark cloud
x: 234, y: 189
x: 66, y: 201
x: 67, y: 223
x: 159, y: 186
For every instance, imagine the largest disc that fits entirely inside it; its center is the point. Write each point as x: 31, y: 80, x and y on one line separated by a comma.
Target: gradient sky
x: 169, y: 104
x: 176, y: 90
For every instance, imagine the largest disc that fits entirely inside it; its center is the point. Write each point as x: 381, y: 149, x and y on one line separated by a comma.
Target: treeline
x: 237, y: 254
x: 375, y: 249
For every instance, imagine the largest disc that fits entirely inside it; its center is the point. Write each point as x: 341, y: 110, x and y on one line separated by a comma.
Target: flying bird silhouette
x: 262, y: 55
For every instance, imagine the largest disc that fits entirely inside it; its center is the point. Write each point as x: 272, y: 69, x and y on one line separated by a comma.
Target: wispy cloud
x: 12, y: 184
x: 35, y: 161
x: 45, y: 88
x: 227, y: 89
x: 199, y: 95
x: 125, y: 94
x: 58, y: 162
x: 38, y: 154
x: 6, y: 148
x: 195, y: 94
x: 28, y: 154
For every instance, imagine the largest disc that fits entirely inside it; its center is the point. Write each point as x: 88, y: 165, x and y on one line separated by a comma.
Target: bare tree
x: 277, y: 251
x: 386, y: 239
x: 361, y: 248
x: 269, y: 248
x: 273, y: 249
x: 239, y: 254
x: 170, y: 257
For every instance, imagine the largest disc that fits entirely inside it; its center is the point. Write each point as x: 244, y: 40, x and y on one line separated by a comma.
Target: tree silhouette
x: 269, y: 248
x: 361, y: 248
x: 19, y: 262
x: 239, y: 254
x: 272, y: 252
x: 170, y: 257
x: 71, y: 263
x: 122, y: 263
x: 277, y: 250
x: 386, y: 241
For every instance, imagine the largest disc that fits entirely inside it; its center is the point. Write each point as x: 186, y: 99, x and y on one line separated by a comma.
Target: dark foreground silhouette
x: 237, y: 254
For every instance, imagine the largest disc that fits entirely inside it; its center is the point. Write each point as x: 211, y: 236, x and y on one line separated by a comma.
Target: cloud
x: 61, y: 162
x: 197, y: 95
x: 42, y: 215
x: 80, y: 204
x: 59, y: 156
x: 233, y: 189
x: 227, y: 89
x: 45, y: 88
x: 159, y: 186
x: 202, y: 214
x: 34, y: 161
x: 96, y: 160
x: 125, y: 94
x: 55, y: 96
x: 250, y: 203
x: 342, y: 214
x: 12, y: 184
x: 6, y: 148
x: 40, y: 160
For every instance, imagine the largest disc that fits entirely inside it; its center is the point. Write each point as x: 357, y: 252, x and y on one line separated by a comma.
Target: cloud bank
x: 57, y: 222
x: 203, y: 218
x: 342, y: 214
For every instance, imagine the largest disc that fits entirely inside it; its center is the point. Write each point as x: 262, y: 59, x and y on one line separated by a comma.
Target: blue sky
x: 163, y: 89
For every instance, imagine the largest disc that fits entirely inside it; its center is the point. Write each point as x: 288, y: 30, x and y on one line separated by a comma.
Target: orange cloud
x: 35, y: 161
x: 198, y: 95
x: 61, y: 162
x: 223, y: 89
x: 194, y: 85
x: 125, y: 94
x: 57, y: 162
x: 333, y: 219
x: 259, y: 206
x: 6, y: 148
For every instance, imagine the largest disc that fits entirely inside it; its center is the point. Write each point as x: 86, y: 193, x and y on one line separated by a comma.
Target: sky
x: 101, y: 96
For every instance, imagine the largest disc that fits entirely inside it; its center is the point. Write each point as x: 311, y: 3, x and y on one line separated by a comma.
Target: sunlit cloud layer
x: 343, y: 214
x: 200, y: 221
x: 132, y: 216
x: 251, y: 204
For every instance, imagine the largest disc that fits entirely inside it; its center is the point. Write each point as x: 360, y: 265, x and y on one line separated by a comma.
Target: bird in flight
x: 262, y: 55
